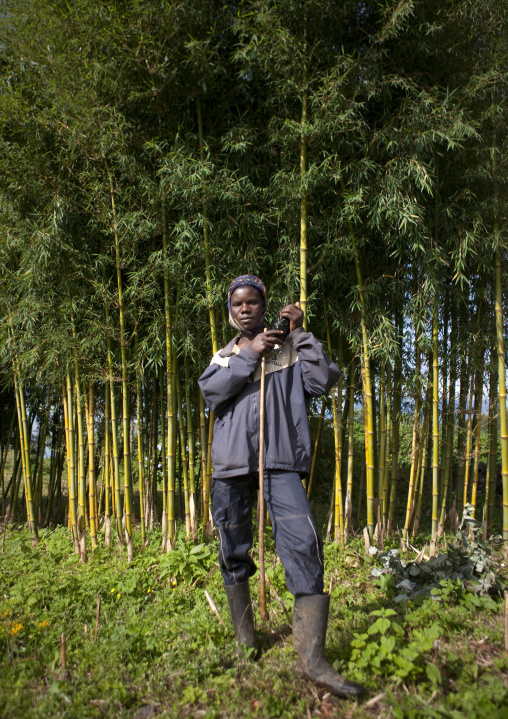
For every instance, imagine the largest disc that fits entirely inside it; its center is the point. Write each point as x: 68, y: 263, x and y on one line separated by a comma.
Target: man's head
x: 246, y: 304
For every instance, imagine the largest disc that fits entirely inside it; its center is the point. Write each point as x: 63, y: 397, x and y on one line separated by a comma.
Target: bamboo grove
x: 351, y: 154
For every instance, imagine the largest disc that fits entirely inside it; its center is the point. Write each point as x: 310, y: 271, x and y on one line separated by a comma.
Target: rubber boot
x: 310, y: 618
x: 240, y: 607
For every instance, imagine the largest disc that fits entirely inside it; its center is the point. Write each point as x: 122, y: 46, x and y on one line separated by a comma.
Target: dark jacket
x: 297, y: 370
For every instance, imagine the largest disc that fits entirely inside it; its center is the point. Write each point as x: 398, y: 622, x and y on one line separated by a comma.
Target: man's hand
x: 265, y: 342
x: 294, y: 314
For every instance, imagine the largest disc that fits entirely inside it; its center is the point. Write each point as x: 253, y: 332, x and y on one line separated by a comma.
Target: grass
x: 161, y: 652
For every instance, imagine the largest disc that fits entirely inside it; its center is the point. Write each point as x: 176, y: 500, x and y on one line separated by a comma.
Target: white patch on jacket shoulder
x: 223, y: 361
x: 283, y: 356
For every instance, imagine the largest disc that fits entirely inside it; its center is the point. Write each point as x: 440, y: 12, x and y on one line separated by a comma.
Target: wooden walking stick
x: 262, y: 587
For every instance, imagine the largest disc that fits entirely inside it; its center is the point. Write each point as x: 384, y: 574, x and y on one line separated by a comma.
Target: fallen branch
x: 213, y: 607
x: 277, y: 597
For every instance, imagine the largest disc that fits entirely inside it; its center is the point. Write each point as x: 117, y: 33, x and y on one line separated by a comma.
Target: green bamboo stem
x: 73, y: 486
x: 461, y: 424
x: 448, y: 444
x: 467, y: 459
x: 423, y: 461
x: 43, y: 433
x: 435, y: 418
x: 164, y: 460
x: 490, y: 488
x: 415, y: 449
x: 382, y: 437
x: 208, y: 476
x: 141, y: 463
x: 351, y: 417
x: 183, y: 454
x: 316, y: 448
x: 202, y: 442
x: 117, y: 497
x: 17, y: 473
x: 170, y: 387
x: 386, y: 481
x: 24, y: 432
x: 206, y: 240
x: 154, y: 461
x: 213, y: 325
x: 304, y: 227
x: 125, y: 387
x: 395, y: 429
x: 4, y: 457
x: 55, y: 456
x: 192, y: 453
x: 476, y: 453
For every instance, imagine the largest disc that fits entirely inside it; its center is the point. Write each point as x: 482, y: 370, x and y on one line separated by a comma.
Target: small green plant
x: 384, y: 650
x: 186, y: 563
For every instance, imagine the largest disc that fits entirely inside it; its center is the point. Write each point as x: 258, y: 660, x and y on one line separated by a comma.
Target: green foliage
x: 385, y: 650
x: 187, y: 563
x: 160, y: 646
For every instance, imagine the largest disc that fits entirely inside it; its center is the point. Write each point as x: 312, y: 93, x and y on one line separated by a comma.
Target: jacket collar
x: 228, y: 350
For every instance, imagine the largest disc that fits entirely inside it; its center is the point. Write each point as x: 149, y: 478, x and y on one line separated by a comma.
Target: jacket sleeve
x: 220, y: 385
x: 319, y: 373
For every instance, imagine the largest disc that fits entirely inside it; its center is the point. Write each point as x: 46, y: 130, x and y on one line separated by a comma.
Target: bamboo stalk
x: 92, y: 483
x: 303, y: 206
x: 164, y: 458
x: 202, y: 441
x: 386, y: 484
x: 192, y: 452
x: 117, y: 498
x: 490, y: 488
x: 395, y: 428
x: 477, y: 430
x: 56, y: 451
x: 502, y: 384
x: 337, y: 436
x: 183, y: 455
x: 125, y: 388
x: 468, y: 448
x: 368, y: 406
x: 382, y: 437
x: 4, y: 457
x: 170, y: 386
x: 316, y: 448
x: 141, y: 462
x: 350, y: 455
x: 435, y: 418
x: 461, y: 425
x: 262, y: 587
x: 25, y: 435
x: 415, y: 450
x: 107, y: 464
x: 73, y: 489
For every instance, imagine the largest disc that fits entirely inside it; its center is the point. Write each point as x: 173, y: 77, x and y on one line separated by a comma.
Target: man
x: 295, y: 370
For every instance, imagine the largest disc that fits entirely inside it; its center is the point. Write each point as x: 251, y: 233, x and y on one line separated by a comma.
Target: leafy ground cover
x: 161, y: 652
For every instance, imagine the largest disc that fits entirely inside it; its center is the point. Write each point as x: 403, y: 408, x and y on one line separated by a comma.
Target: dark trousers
x: 296, y: 538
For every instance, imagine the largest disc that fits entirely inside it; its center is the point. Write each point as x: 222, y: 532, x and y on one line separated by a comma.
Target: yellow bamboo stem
x: 502, y: 384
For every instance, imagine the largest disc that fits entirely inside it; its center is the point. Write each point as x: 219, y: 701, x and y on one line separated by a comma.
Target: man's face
x: 247, y: 307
